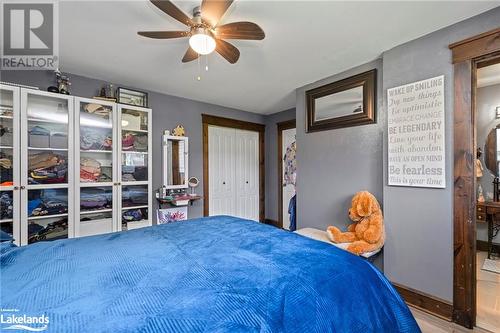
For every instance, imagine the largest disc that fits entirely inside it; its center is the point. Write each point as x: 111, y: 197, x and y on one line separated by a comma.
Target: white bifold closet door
x: 233, y: 172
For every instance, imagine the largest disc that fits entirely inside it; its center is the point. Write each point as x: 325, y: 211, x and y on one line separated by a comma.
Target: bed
x: 216, y: 274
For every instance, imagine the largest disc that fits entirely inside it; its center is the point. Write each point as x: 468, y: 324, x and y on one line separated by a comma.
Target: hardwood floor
x: 488, y: 296
x: 432, y: 324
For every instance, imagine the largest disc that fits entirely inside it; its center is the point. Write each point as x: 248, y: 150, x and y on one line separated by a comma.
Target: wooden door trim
x: 210, y: 120
x: 476, y: 46
x: 284, y: 125
x: 467, y: 55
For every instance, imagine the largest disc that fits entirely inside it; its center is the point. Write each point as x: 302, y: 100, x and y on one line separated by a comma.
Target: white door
x: 95, y: 156
x: 134, y: 167
x: 247, y: 174
x: 221, y: 167
x: 288, y: 137
x: 46, y: 166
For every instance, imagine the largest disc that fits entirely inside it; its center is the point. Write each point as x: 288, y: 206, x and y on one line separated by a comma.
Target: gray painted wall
x: 419, y: 222
x: 168, y: 111
x: 487, y: 99
x: 272, y: 177
x: 334, y: 165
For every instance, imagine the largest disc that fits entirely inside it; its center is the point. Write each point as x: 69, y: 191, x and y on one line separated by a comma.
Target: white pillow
x: 322, y: 236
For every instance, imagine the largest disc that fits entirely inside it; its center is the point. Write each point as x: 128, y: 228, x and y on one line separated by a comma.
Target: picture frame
x: 132, y: 97
x: 344, y: 103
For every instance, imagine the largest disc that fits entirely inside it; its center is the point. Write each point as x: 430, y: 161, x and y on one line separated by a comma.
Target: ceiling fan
x: 204, y: 34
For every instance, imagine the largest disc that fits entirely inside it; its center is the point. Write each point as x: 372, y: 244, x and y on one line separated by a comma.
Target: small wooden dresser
x: 489, y: 212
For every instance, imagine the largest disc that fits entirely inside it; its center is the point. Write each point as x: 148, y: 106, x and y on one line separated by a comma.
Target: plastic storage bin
x: 39, y: 141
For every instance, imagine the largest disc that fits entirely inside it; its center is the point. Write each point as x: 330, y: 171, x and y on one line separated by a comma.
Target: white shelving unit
x: 49, y: 198
x: 9, y: 145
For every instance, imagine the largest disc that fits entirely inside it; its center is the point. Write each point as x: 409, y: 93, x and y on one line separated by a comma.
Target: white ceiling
x: 305, y: 41
x: 488, y: 76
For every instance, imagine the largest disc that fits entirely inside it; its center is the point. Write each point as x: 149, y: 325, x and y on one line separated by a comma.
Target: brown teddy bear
x: 367, y: 233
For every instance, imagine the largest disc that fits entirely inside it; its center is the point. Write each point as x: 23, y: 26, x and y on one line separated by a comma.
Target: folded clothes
x: 6, y: 110
x: 141, y: 173
x: 51, y: 175
x: 133, y: 215
x: 128, y: 168
x: 90, y: 169
x: 6, y: 205
x: 38, y: 130
x: 97, y: 109
x: 141, y: 142
x: 90, y: 162
x: 128, y: 141
x: 95, y: 198
x: 6, y: 172
x: 135, y: 195
x: 58, y: 134
x: 47, y: 168
x: 5, y: 163
x: 44, y: 160
x: 6, y: 175
x: 48, y: 202
x: 128, y: 177
x: 92, y: 139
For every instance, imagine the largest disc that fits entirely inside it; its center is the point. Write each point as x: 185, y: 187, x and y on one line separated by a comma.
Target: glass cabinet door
x: 47, y: 166
x: 135, y: 172
x: 9, y: 163
x: 96, y: 150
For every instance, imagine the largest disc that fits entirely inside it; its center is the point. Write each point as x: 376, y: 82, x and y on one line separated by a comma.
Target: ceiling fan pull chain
x: 199, y: 69
x: 206, y: 63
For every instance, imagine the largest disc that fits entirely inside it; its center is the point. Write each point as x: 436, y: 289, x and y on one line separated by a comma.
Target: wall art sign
x: 416, y: 129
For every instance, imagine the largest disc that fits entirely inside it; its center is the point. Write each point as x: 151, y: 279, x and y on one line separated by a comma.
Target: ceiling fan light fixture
x: 202, y: 42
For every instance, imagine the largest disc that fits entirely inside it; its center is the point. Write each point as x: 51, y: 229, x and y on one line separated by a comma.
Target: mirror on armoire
x: 487, y: 168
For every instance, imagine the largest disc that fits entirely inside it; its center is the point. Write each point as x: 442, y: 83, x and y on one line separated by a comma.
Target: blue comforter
x: 218, y: 274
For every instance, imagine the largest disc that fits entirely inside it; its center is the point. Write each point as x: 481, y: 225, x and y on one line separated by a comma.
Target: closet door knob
x: 223, y: 183
x: 16, y: 188
x: 23, y: 187
x: 247, y: 181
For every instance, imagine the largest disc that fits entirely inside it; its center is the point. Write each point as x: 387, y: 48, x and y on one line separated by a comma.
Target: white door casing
x: 221, y: 168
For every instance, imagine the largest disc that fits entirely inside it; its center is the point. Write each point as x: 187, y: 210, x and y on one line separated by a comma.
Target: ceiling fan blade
x: 190, y: 55
x: 170, y: 9
x: 240, y: 30
x: 163, y: 34
x: 228, y: 51
x: 213, y: 10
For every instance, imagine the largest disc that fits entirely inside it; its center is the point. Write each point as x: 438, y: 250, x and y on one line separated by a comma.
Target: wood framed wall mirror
x: 344, y: 103
x: 474, y: 127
